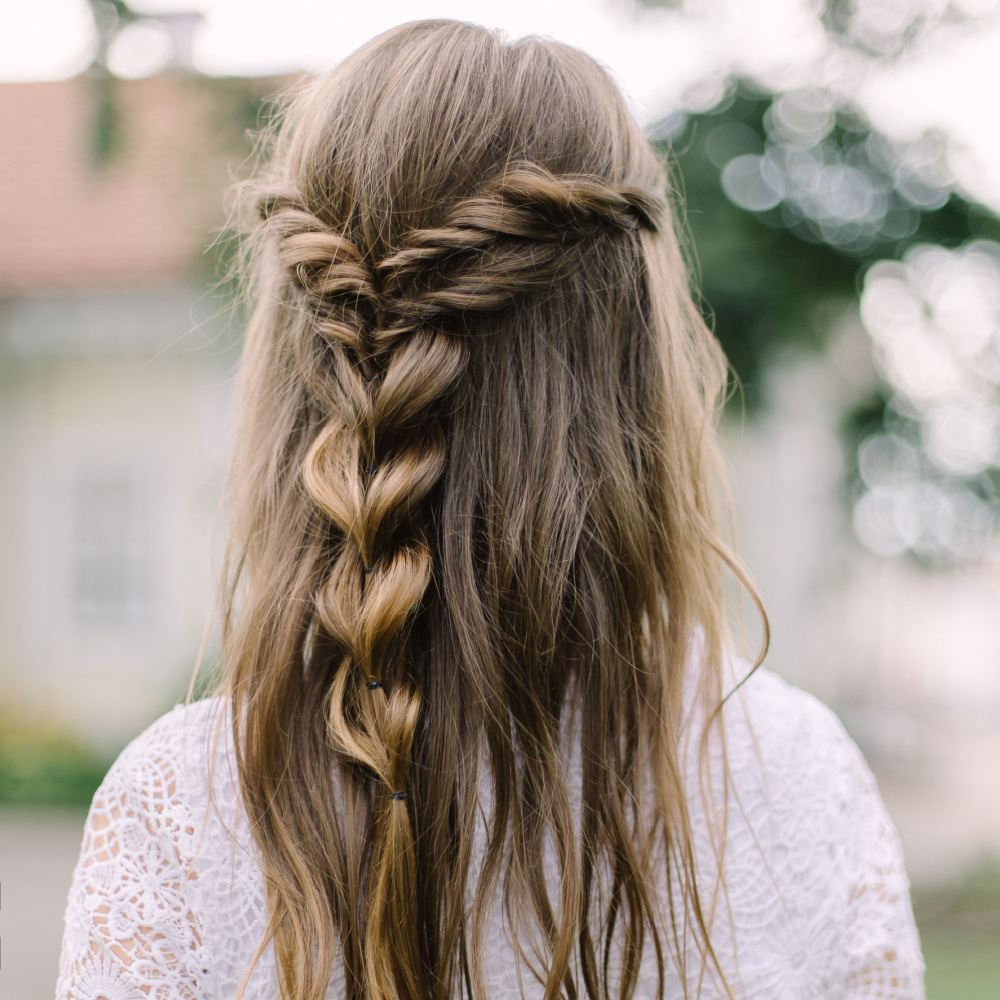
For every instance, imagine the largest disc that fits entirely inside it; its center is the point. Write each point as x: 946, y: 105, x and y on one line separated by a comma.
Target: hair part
x: 473, y: 498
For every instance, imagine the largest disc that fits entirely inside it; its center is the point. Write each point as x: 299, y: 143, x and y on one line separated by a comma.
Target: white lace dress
x: 167, y: 899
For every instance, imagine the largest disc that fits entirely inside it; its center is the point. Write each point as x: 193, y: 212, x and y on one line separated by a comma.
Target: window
x: 111, y: 571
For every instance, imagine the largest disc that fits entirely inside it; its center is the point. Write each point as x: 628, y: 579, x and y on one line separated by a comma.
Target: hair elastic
x: 371, y: 469
x: 372, y: 685
x: 369, y: 569
x: 398, y: 796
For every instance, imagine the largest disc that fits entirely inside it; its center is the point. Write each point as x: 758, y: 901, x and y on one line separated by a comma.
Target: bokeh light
x: 851, y: 191
x: 934, y: 320
x: 139, y: 50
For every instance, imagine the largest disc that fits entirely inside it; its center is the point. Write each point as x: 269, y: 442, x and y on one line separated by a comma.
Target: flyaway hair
x: 473, y: 523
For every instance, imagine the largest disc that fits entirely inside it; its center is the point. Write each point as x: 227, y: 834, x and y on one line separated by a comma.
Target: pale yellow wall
x: 163, y: 415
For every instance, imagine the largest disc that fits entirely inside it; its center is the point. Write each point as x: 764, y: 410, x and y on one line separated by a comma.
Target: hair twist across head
x: 510, y: 240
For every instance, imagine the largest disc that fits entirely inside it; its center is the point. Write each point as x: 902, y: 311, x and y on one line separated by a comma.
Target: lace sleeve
x: 882, y: 946
x: 131, y: 929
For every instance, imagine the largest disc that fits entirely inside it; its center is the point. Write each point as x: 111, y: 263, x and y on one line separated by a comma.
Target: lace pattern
x: 167, y: 899
x: 130, y: 920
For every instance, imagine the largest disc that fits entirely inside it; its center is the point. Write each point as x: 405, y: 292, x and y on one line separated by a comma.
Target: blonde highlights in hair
x: 473, y: 496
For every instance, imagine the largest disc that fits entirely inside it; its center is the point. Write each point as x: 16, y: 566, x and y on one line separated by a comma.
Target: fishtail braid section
x: 385, y: 348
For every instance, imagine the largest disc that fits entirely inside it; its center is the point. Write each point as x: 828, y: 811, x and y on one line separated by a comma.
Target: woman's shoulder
x: 789, y: 758
x: 768, y: 697
x: 806, y: 821
x: 176, y: 782
x: 177, y: 756
x: 180, y: 730
x: 784, y: 729
x: 165, y: 846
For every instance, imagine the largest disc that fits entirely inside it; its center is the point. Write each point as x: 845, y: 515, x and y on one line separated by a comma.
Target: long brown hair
x: 473, y: 496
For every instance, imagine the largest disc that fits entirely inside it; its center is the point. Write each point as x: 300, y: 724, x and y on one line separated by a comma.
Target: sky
x: 663, y: 58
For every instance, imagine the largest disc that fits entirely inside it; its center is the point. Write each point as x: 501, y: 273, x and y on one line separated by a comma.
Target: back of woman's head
x: 472, y: 497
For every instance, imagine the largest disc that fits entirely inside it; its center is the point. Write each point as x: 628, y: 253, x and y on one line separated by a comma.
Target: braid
x: 509, y: 241
x: 384, y: 348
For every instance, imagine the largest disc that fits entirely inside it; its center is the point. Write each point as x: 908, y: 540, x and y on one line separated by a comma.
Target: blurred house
x: 116, y: 363
x: 115, y: 371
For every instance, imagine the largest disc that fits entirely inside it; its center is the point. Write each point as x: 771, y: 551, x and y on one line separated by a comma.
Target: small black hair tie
x: 371, y: 469
x: 369, y: 569
x: 371, y: 685
x: 398, y: 796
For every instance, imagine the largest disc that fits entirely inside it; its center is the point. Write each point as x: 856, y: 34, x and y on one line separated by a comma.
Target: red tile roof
x: 142, y: 218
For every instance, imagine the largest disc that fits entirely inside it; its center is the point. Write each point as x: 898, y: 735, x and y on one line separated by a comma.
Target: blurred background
x: 838, y: 166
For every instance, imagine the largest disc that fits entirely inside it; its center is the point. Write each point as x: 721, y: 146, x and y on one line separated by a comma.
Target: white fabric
x: 167, y: 899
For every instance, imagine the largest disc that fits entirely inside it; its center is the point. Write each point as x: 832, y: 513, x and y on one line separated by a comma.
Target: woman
x: 474, y: 733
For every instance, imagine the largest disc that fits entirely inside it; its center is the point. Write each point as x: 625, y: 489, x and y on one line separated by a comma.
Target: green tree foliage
x: 767, y: 274
x: 794, y: 204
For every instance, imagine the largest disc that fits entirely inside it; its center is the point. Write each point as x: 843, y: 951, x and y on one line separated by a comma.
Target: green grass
x: 958, y: 970
x: 960, y: 933
x: 39, y: 765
